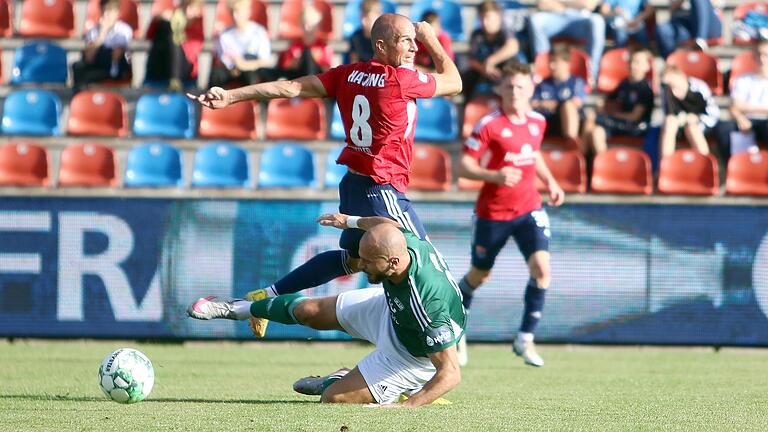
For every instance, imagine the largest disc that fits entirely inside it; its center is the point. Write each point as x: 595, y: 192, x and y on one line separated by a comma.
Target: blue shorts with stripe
x: 361, y: 196
x: 530, y: 231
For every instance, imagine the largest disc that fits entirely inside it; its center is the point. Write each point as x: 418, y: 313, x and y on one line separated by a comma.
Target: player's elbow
x: 291, y: 89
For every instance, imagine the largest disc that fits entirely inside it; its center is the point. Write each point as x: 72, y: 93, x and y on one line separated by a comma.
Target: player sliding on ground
x: 509, y: 204
x: 377, y: 101
x: 415, y: 320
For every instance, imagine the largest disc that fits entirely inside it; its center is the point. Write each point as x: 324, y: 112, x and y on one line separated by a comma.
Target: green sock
x: 278, y: 309
x: 330, y: 380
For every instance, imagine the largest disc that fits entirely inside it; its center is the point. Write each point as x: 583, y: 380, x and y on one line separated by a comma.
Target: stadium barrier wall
x: 622, y: 273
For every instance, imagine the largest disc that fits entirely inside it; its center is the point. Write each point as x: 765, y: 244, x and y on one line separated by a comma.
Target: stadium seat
x: 23, y: 164
x: 449, y: 12
x: 98, y: 113
x: 579, y: 67
x: 221, y: 164
x: 290, y: 19
x: 352, y: 15
x: 333, y: 171
x: 748, y: 174
x: 614, y: 68
x: 436, y: 120
x: 87, y: 164
x: 430, y: 168
x: 687, y: 172
x: 296, y: 119
x: 238, y: 121
x: 224, y: 15
x: 622, y: 170
x: 742, y: 64
x: 31, y: 112
x: 568, y: 167
x: 475, y: 109
x: 337, y: 126
x: 129, y: 14
x: 740, y: 13
x: 6, y: 18
x: 39, y: 62
x: 153, y: 164
x: 700, y: 65
x: 170, y: 115
x: 286, y: 165
x: 47, y: 18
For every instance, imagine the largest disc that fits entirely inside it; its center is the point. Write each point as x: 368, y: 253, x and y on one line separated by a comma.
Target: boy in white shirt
x: 105, y: 55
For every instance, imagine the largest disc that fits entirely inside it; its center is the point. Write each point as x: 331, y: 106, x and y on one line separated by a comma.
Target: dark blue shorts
x: 531, y: 233
x: 361, y: 196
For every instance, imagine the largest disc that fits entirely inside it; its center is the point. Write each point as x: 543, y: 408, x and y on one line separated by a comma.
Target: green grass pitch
x: 52, y: 385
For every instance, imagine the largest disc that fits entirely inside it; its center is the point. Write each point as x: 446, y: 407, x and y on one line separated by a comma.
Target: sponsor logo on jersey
x: 366, y: 79
x: 525, y: 157
x: 506, y: 133
x: 439, y: 336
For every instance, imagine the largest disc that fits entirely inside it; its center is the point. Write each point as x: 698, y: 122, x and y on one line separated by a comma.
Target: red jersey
x: 378, y: 108
x: 508, y: 144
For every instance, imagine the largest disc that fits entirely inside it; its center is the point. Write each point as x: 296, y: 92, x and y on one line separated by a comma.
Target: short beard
x: 376, y: 279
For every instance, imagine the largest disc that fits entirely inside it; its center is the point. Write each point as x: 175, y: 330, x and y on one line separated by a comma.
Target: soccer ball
x: 126, y: 376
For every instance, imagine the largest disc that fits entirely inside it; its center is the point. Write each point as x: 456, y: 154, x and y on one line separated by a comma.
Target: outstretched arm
x: 308, y: 86
x: 447, y: 376
x: 447, y: 77
x: 339, y: 220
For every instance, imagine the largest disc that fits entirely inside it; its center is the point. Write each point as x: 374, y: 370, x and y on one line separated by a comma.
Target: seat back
x: 286, y: 165
x: 614, y: 68
x: 700, y: 65
x: 129, y: 14
x: 475, y: 109
x: 39, y: 62
x: 688, y: 172
x: 6, y: 18
x: 237, y: 121
x: 170, y: 115
x: 47, y: 18
x: 352, y: 15
x: 744, y: 63
x: 296, y: 119
x: 748, y: 173
x: 98, y: 113
x: 23, y: 163
x: 430, y: 169
x: 153, y: 164
x: 569, y: 169
x: 221, y: 164
x: 333, y: 171
x: 290, y: 19
x: 622, y: 170
x: 31, y: 112
x: 450, y: 15
x: 437, y: 120
x: 579, y: 67
x: 337, y: 125
x: 87, y: 164
x: 224, y: 15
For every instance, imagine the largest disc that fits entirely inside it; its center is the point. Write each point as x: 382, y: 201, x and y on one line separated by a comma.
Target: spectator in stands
x: 360, y: 46
x: 700, y: 23
x: 625, y: 19
x: 560, y: 98
x: 572, y: 19
x: 688, y: 105
x: 626, y: 111
x: 423, y: 61
x: 242, y: 50
x: 490, y: 48
x: 309, y: 55
x: 104, y: 57
x: 177, y: 39
x: 749, y: 107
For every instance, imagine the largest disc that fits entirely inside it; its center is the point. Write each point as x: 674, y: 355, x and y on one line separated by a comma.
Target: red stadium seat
x: 475, y: 109
x: 748, y: 174
x: 87, y: 164
x: 224, y: 15
x: 741, y: 12
x: 6, y: 18
x: 296, y: 119
x: 47, y: 18
x: 238, y: 121
x: 579, y: 66
x: 700, y: 65
x: 129, y: 13
x: 622, y: 170
x: 743, y: 64
x: 687, y: 172
x: 430, y: 169
x: 290, y: 19
x: 23, y: 163
x: 98, y: 113
x: 614, y: 68
x: 569, y: 169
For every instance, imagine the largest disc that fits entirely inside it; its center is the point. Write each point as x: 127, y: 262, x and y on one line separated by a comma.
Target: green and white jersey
x: 425, y: 308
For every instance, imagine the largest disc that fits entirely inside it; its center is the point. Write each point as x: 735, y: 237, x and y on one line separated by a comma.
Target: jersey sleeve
x: 330, y: 79
x: 415, y: 84
x: 476, y: 144
x: 440, y: 334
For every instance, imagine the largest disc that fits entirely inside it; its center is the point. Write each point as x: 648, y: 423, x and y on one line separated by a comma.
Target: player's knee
x: 305, y: 312
x: 541, y: 273
x: 332, y: 397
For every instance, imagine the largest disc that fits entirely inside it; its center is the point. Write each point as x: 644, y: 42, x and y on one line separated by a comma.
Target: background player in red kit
x: 509, y: 204
x: 377, y: 101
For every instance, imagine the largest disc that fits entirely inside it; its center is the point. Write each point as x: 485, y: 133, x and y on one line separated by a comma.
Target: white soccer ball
x: 126, y: 376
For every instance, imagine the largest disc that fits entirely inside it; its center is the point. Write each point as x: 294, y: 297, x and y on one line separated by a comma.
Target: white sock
x: 242, y: 309
x: 271, y: 291
x: 525, y: 337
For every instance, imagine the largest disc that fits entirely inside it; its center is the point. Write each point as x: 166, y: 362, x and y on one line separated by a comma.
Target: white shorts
x: 390, y: 370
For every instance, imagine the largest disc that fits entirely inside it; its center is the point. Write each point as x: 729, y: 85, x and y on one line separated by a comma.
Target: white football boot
x: 212, y: 307
x: 527, y: 350
x: 461, y: 350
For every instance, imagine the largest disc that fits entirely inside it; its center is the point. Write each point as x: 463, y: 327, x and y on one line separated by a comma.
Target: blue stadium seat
x: 221, y: 164
x: 286, y: 165
x: 153, y: 163
x: 32, y: 112
x: 449, y: 12
x: 337, y: 127
x: 333, y: 171
x: 39, y: 62
x: 170, y: 115
x: 352, y: 15
x: 437, y: 120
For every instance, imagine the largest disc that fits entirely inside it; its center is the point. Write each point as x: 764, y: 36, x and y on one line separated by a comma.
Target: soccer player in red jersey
x: 377, y: 101
x: 509, y: 204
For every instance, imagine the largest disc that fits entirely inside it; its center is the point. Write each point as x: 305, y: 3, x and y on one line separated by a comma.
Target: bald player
x: 377, y: 101
x: 414, y: 320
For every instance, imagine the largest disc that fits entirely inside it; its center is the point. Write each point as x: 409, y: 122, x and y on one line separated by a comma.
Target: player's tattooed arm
x: 339, y: 220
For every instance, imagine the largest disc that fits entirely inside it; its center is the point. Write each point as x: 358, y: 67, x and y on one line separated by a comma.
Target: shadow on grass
x: 67, y: 398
